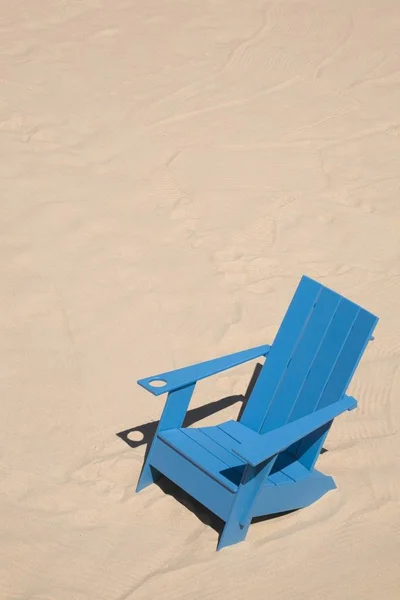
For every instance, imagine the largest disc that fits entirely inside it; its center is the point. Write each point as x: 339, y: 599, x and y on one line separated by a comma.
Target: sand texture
x: 169, y: 170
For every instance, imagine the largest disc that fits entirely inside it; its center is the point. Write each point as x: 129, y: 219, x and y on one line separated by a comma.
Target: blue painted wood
x: 282, y: 498
x: 239, y: 518
x: 321, y: 369
x: 223, y: 452
x: 280, y: 478
x: 188, y: 375
x: 172, y: 416
x: 269, y: 444
x: 293, y: 324
x: 284, y: 459
x: 220, y: 437
x: 192, y: 480
x: 302, y: 359
x: 198, y: 455
x: 349, y: 357
x: 324, y: 363
x: 265, y: 463
x: 219, y: 460
x: 311, y: 446
x: 239, y: 433
x: 339, y: 378
x: 296, y: 471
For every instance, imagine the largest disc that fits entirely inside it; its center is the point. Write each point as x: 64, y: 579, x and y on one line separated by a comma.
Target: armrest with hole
x: 173, y: 380
x: 259, y: 448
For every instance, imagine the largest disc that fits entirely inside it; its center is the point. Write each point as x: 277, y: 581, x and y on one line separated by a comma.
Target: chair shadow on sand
x: 147, y: 431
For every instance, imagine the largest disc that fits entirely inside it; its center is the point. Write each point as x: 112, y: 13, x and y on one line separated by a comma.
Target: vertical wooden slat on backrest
x: 349, y: 358
x: 285, y: 342
x: 343, y: 370
x: 321, y: 370
x: 302, y: 358
x: 324, y: 362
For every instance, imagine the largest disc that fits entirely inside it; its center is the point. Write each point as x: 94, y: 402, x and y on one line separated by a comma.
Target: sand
x: 169, y: 170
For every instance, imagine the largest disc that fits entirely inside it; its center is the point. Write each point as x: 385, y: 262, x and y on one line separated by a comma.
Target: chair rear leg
x: 173, y: 415
x: 310, y: 447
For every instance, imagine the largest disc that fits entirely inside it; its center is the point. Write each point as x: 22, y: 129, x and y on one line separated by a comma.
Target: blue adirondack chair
x: 264, y: 463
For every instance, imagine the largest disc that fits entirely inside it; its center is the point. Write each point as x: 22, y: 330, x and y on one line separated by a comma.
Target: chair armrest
x: 173, y: 380
x: 259, y: 448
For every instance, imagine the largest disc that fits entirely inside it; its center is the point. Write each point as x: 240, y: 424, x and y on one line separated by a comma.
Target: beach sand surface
x: 169, y: 170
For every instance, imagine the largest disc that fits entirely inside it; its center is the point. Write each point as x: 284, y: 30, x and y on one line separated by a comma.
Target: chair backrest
x: 313, y: 358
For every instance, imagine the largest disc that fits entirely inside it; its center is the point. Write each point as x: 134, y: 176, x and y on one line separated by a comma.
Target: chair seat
x: 211, y: 450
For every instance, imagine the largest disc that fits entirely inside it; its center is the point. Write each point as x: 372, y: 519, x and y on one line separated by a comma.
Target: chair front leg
x: 238, y: 522
x: 172, y: 417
